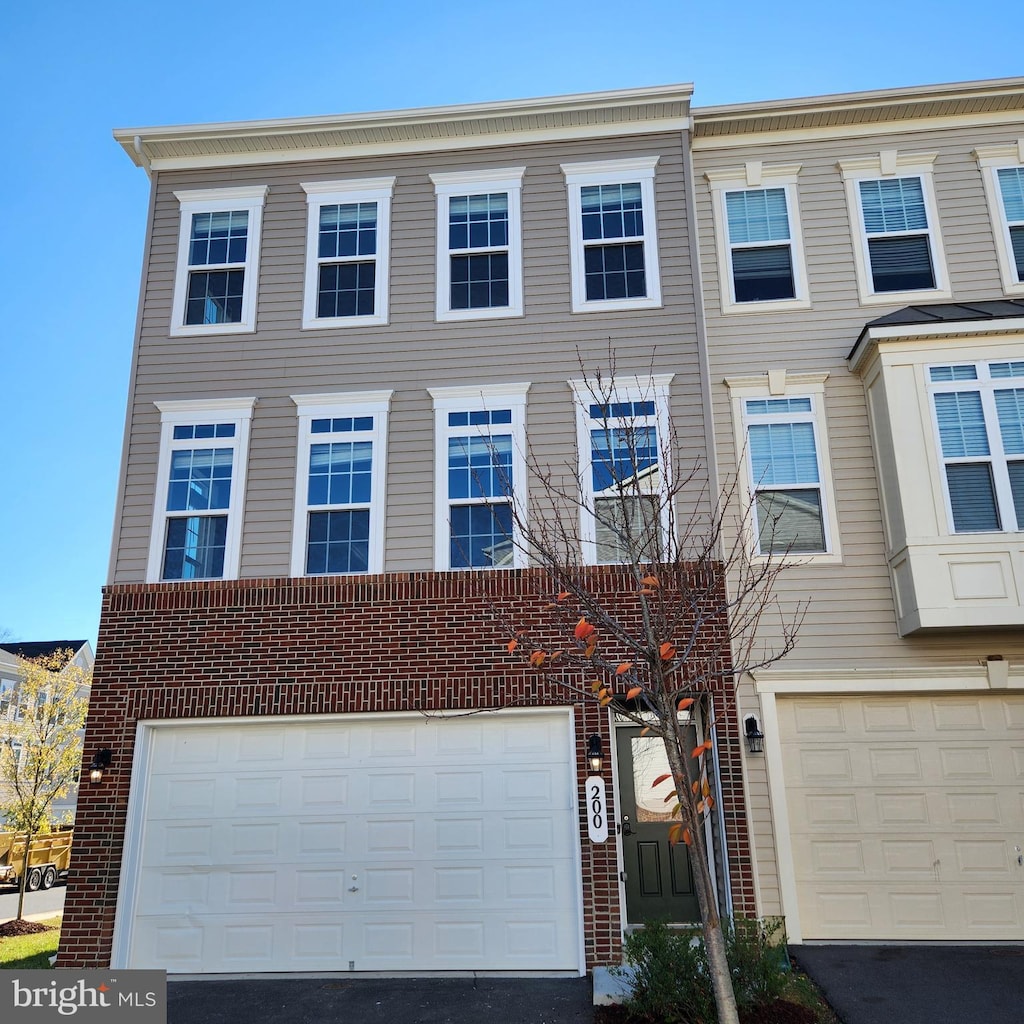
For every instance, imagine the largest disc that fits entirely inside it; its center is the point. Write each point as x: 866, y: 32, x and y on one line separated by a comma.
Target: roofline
x: 264, y: 138
x: 867, y: 98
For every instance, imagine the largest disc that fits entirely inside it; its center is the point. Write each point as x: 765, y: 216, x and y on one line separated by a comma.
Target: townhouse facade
x: 863, y: 266
x: 357, y: 338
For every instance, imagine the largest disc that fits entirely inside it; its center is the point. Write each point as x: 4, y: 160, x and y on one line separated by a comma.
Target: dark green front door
x: 659, y: 883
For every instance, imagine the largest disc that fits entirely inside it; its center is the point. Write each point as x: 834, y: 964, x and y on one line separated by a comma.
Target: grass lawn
x: 30, y: 952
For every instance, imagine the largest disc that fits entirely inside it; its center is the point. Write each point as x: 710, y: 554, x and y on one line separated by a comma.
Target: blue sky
x: 73, y: 205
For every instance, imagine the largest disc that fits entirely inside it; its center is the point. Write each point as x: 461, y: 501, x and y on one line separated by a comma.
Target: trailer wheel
x: 35, y: 879
x: 49, y: 877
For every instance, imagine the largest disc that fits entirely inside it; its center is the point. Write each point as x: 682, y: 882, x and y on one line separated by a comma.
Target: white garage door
x: 907, y: 815
x: 387, y: 843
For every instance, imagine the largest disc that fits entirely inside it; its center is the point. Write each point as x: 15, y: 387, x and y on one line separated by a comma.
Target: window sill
x: 198, y: 330
x: 616, y: 305
x: 906, y: 298
x: 334, y: 322
x: 489, y: 313
x: 764, y: 306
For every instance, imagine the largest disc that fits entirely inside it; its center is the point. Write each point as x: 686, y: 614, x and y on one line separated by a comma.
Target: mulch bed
x: 779, y: 1012
x: 19, y: 926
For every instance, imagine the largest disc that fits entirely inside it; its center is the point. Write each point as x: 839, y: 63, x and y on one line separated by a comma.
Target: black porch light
x: 594, y: 754
x: 100, y: 763
x: 755, y: 738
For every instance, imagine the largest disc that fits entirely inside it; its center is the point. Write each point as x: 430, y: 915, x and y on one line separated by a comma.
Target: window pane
x: 763, y: 274
x: 972, y: 497
x: 479, y: 281
x: 901, y: 264
x: 214, y: 297
x: 961, y: 421
x: 757, y: 215
x: 1016, y: 470
x: 615, y: 271
x: 783, y: 453
x: 624, y: 457
x: 1010, y: 409
x: 1017, y: 242
x: 627, y: 523
x: 346, y: 289
x: 612, y: 211
x: 1011, y: 185
x: 480, y: 467
x: 790, y: 521
x: 481, y: 536
x: 965, y: 371
x: 200, y: 479
x: 218, y: 238
x: 348, y: 229
x: 893, y: 204
x: 478, y: 221
x: 338, y: 542
x: 195, y: 547
x: 340, y: 473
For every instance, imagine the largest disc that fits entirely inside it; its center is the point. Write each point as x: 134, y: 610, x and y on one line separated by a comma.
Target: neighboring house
x: 863, y: 264
x: 342, y: 319
x: 11, y: 673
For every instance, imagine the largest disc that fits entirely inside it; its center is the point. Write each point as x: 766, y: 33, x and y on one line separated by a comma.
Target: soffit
x: 588, y: 115
x: 839, y: 114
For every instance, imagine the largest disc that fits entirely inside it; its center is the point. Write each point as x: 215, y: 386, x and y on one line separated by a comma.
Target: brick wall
x: 397, y: 642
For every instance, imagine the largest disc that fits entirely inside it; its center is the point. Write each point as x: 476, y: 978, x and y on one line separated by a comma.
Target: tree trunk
x: 23, y: 881
x: 711, y: 922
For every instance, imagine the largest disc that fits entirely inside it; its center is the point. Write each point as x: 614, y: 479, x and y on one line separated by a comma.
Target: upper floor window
x: 621, y: 437
x: 898, y: 249
x: 781, y: 431
x: 613, y: 241
x: 979, y: 419
x: 760, y: 250
x: 218, y: 260
x: 479, y: 244
x: 8, y: 689
x: 480, y: 477
x: 201, y: 483
x: 1003, y: 169
x: 347, y: 250
x: 339, y: 497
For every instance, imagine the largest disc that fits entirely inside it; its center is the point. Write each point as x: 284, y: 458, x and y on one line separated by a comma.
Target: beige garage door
x: 906, y: 815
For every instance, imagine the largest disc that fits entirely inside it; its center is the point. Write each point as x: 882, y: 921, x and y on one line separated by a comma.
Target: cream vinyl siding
x: 410, y: 353
x: 905, y: 815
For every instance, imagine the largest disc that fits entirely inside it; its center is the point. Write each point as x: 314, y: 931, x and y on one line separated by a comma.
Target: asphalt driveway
x: 381, y: 1001
x: 918, y: 984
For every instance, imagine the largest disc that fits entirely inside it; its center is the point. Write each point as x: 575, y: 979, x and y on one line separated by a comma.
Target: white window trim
x: 780, y: 384
x: 755, y: 176
x: 470, y: 398
x: 623, y: 388
x: 329, y: 193
x: 217, y: 410
x: 892, y: 164
x: 992, y: 159
x: 612, y: 172
x: 462, y: 183
x: 355, y: 403
x: 219, y: 200
x: 985, y: 386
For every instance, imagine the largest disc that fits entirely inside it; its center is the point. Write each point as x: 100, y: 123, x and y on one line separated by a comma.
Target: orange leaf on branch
x: 697, y: 751
x: 563, y: 595
x: 651, y: 581
x: 659, y: 780
x: 634, y: 692
x: 596, y: 685
x: 624, y: 668
x: 685, y: 703
x: 583, y: 629
x: 512, y: 645
x: 590, y: 649
x: 667, y: 651
x: 675, y: 833
x: 537, y: 659
x: 687, y: 838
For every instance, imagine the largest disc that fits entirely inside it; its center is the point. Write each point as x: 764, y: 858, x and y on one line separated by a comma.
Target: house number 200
x: 597, y: 809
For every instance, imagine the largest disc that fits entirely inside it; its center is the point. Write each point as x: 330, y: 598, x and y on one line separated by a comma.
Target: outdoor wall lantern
x: 755, y: 738
x: 99, y: 763
x: 594, y: 755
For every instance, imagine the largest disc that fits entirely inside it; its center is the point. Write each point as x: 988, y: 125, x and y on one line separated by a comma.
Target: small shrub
x: 670, y: 978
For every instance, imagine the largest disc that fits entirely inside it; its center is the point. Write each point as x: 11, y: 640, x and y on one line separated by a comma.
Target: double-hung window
x: 780, y: 430
x: 621, y: 437
x: 8, y: 689
x: 613, y: 242
x: 1003, y: 169
x: 979, y: 419
x: 479, y: 244
x: 218, y: 260
x: 898, y: 249
x: 339, y: 498
x: 760, y: 252
x: 201, y: 483
x: 480, y: 476
x: 347, y: 252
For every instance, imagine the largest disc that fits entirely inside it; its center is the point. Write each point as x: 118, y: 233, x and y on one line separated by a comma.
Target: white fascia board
x: 933, y: 331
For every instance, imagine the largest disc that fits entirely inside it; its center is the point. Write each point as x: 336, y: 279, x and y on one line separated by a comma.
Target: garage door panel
x: 417, y: 846
x: 904, y: 816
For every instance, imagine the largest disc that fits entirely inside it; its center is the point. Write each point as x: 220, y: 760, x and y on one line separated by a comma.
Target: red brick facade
x: 339, y: 645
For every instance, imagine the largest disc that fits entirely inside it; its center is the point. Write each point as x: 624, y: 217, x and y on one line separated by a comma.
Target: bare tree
x: 686, y: 620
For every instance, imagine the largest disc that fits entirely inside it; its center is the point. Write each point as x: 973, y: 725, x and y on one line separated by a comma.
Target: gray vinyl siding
x: 410, y: 354
x: 851, y: 619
